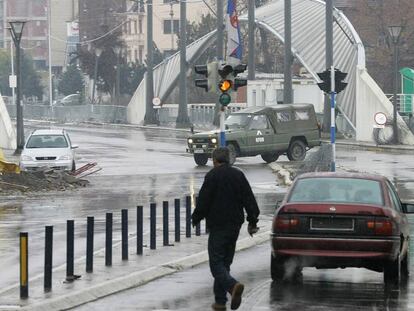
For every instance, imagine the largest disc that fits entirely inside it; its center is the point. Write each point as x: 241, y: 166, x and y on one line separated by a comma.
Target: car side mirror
x: 408, y: 208
x: 75, y: 146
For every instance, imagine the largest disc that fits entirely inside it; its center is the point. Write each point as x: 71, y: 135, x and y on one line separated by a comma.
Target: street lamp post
x: 98, y: 53
x: 117, y: 50
x: 395, y: 33
x: 16, y: 31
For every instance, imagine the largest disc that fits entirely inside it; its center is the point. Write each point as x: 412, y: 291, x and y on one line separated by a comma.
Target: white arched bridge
x: 359, y: 102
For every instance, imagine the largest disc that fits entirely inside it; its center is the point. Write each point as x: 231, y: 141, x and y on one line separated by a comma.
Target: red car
x: 339, y: 220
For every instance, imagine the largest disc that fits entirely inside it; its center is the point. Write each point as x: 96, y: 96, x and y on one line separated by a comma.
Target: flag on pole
x: 234, y: 44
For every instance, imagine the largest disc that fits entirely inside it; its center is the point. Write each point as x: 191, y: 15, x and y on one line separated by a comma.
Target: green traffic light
x: 224, y: 99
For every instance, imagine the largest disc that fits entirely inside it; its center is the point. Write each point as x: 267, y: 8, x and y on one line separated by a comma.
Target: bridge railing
x: 405, y: 103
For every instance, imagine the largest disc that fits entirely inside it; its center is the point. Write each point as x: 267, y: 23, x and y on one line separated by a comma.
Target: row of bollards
x: 70, y: 241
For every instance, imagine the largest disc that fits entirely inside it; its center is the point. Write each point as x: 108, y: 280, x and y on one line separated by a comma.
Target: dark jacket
x: 223, y: 195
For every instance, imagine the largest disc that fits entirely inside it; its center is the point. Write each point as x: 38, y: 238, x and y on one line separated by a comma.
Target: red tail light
x: 380, y: 227
x: 286, y: 223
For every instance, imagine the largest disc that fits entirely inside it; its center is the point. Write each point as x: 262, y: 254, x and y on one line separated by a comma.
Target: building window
x: 129, y: 27
x: 140, y: 25
x: 135, y: 27
x: 167, y: 26
x: 136, y: 55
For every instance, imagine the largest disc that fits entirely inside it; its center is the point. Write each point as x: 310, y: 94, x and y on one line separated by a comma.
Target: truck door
x: 260, y: 134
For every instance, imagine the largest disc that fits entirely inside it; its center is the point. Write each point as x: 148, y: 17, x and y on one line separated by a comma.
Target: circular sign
x: 156, y: 101
x: 380, y: 118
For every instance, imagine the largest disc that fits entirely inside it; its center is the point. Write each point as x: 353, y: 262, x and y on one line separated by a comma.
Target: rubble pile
x: 11, y: 183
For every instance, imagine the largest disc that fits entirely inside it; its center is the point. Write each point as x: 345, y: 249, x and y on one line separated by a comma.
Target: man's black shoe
x: 218, y: 306
x: 236, y: 294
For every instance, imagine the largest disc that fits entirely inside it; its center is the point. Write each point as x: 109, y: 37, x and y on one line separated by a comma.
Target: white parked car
x: 48, y: 148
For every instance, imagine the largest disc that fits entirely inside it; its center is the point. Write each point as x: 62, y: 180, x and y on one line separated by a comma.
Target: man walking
x: 223, y: 197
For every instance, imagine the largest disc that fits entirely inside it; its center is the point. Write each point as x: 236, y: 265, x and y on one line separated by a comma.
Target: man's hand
x: 252, y: 229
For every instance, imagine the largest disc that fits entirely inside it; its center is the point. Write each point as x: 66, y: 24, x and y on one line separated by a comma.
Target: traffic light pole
x: 222, y: 127
x: 333, y: 94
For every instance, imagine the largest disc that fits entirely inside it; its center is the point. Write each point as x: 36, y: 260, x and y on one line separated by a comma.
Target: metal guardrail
x: 199, y: 114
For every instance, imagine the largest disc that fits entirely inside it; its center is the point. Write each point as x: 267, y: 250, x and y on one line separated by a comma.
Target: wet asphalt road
x: 140, y: 166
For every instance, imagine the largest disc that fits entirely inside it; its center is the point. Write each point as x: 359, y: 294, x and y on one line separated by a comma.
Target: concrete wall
x: 370, y: 100
x: 7, y: 132
x: 269, y: 92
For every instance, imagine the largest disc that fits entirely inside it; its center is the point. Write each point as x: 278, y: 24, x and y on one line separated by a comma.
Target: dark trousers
x: 221, y: 248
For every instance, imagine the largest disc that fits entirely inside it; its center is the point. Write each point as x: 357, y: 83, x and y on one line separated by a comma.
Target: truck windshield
x: 238, y: 120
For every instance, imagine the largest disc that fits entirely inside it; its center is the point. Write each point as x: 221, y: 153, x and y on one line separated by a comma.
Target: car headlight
x: 190, y: 141
x: 65, y: 157
x: 26, y: 158
x: 214, y: 141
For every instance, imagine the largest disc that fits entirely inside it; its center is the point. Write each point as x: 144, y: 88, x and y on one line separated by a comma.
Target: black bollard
x: 70, y: 249
x: 153, y: 223
x: 47, y: 281
x: 108, y: 239
x: 24, y: 265
x: 140, y: 230
x: 165, y: 223
x: 177, y: 219
x: 198, y: 226
x: 188, y: 217
x: 89, y: 244
x: 124, y: 228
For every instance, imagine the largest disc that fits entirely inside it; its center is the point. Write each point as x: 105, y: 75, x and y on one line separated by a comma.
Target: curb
x: 136, y: 279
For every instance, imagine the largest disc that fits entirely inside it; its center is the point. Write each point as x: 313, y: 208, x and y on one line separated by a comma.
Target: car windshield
x: 238, y: 120
x: 337, y: 190
x: 47, y: 141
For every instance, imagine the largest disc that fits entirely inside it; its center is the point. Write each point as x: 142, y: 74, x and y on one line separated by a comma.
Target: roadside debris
x: 46, y: 180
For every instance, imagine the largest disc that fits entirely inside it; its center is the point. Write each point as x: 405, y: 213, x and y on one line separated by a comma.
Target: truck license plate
x: 198, y: 151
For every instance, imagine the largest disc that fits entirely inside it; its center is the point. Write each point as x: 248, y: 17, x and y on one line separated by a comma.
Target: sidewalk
x: 138, y: 270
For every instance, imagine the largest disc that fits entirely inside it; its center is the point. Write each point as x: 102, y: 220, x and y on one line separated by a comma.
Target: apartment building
x: 166, y: 21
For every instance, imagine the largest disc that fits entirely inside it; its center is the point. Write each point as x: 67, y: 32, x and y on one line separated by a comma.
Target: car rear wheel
x: 277, y: 268
x: 405, y: 265
x: 296, y: 151
x: 201, y: 159
x: 269, y: 157
x: 392, y: 271
x: 233, y: 153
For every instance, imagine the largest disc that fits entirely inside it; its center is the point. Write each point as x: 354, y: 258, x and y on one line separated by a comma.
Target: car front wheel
x: 201, y: 159
x: 296, y: 151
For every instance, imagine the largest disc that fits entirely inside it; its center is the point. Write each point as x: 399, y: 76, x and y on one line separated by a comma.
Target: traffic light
x: 225, y: 85
x: 210, y: 72
x: 325, y: 85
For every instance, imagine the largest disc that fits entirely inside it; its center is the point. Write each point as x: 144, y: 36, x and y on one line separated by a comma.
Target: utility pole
x: 172, y: 25
x: 251, y: 56
x: 182, y: 118
x: 49, y: 19
x: 329, y: 62
x: 287, y: 83
x: 149, y: 111
x: 220, y: 52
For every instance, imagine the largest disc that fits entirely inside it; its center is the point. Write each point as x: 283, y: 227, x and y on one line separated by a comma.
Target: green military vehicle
x: 269, y: 131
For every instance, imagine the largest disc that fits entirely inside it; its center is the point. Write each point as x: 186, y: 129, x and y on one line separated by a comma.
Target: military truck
x: 268, y: 131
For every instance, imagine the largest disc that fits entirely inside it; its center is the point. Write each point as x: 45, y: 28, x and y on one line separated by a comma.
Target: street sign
x: 13, y: 81
x: 380, y: 118
x: 156, y: 101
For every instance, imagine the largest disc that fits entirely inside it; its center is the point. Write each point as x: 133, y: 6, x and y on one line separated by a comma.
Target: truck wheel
x: 233, y: 153
x: 296, y: 151
x: 269, y: 157
x: 201, y: 159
